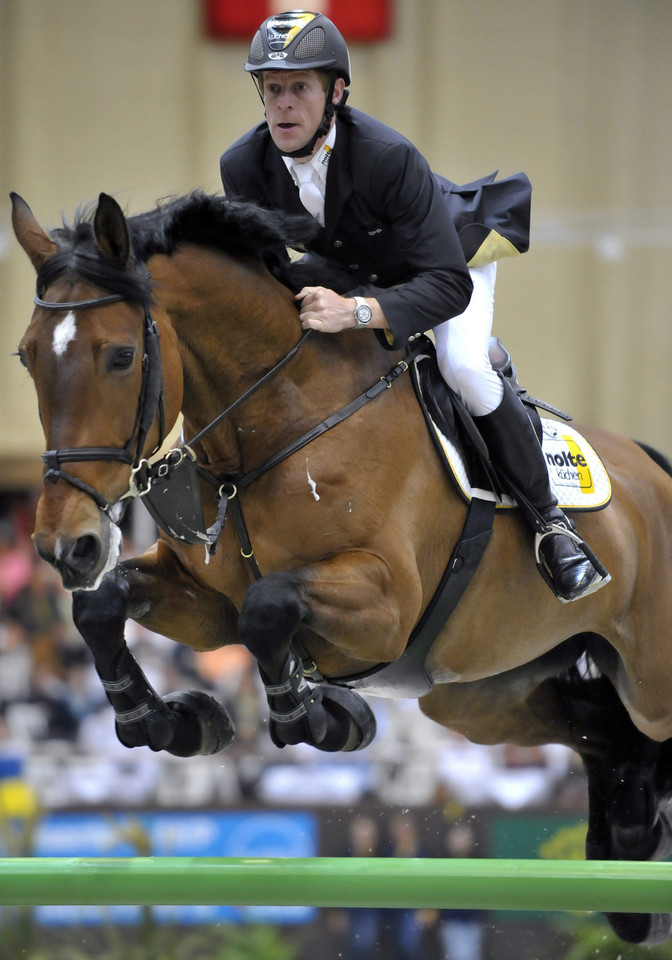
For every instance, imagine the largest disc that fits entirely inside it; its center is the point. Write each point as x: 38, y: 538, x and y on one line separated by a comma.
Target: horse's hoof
x: 646, y: 929
x: 327, y: 717
x: 203, y: 726
x: 355, y: 725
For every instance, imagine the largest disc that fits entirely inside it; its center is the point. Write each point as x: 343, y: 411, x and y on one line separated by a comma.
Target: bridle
x: 150, y: 404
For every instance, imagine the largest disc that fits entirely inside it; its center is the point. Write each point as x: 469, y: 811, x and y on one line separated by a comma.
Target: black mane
x: 213, y: 221
x: 240, y: 229
x: 236, y: 228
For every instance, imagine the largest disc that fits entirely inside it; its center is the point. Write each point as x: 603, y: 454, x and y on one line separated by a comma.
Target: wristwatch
x: 363, y: 313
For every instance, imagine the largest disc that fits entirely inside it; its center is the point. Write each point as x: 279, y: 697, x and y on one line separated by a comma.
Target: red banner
x: 356, y: 19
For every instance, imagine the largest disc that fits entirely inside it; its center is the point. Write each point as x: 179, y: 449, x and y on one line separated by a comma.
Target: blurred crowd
x: 57, y: 728
x: 406, y: 934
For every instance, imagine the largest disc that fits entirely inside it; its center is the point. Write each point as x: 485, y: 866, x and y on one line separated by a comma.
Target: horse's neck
x: 234, y: 322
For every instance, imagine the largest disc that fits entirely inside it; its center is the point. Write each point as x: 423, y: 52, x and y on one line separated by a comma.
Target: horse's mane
x: 238, y: 228
x: 234, y: 227
x: 213, y: 221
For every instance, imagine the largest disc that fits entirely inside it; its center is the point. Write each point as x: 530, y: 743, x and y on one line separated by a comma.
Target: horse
x: 323, y: 538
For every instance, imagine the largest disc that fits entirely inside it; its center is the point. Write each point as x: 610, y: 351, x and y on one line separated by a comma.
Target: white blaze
x: 64, y: 333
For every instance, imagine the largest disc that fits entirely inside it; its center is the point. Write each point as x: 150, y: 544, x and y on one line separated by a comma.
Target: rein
x: 228, y: 491
x: 253, y: 389
x: 150, y: 403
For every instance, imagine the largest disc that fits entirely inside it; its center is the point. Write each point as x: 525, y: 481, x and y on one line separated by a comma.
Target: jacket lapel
x: 280, y: 187
x: 339, y: 180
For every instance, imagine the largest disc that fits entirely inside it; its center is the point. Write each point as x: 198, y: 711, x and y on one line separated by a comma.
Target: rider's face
x: 294, y: 102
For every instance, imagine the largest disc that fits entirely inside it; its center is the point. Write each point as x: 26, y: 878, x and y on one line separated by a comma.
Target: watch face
x: 363, y: 313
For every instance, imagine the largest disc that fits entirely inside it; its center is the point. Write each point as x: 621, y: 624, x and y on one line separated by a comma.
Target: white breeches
x: 462, y: 347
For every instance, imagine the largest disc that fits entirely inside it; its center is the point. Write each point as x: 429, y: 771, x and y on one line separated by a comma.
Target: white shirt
x: 318, y: 165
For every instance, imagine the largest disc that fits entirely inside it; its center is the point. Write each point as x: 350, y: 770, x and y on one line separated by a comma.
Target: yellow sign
x: 580, y: 464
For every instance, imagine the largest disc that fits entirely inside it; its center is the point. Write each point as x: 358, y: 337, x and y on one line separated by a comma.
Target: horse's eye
x: 22, y: 359
x: 120, y: 358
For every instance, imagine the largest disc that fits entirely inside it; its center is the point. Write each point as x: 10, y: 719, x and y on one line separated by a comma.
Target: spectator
x: 363, y: 923
x: 405, y: 927
x: 15, y: 563
x: 461, y: 931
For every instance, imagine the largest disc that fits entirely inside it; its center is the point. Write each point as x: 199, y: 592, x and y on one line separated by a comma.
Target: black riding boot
x: 564, y: 559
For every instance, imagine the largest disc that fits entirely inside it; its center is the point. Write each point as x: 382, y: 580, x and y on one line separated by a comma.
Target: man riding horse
x: 385, y: 217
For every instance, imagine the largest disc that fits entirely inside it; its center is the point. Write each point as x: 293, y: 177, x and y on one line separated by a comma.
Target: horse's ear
x: 111, y: 232
x: 30, y: 234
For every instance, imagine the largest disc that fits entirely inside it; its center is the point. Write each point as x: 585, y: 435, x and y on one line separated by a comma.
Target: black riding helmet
x: 301, y: 40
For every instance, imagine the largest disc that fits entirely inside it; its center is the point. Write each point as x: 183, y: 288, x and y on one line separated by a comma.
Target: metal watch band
x: 363, y: 313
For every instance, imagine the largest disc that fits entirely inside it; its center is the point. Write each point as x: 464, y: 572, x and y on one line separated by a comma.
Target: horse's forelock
x: 78, y: 256
x: 79, y: 232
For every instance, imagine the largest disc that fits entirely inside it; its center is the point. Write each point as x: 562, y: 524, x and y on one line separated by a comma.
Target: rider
x: 384, y: 216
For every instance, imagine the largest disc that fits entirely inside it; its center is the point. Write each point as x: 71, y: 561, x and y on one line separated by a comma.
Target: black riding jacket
x: 386, y: 218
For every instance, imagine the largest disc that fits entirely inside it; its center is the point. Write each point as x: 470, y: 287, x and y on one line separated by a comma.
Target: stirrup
x: 566, y: 529
x: 557, y: 527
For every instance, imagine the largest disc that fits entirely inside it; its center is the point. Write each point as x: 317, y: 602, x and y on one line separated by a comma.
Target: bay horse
x: 325, y: 555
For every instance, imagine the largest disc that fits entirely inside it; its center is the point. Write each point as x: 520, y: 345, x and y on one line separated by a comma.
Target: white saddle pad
x: 578, y: 477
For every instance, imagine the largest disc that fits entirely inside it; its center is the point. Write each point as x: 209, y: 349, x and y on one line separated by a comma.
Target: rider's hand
x: 328, y: 312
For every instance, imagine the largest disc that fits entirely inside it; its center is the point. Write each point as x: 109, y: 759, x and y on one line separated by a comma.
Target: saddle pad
x: 578, y: 477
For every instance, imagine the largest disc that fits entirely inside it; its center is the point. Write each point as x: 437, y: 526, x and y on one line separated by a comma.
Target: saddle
x: 577, y: 475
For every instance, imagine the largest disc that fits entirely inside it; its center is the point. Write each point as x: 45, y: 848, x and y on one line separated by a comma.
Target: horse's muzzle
x: 80, y: 561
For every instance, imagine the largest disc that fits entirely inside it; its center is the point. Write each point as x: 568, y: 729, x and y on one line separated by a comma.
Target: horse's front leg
x: 343, y: 601
x: 184, y: 723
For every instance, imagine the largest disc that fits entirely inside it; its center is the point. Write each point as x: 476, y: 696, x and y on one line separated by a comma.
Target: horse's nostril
x: 84, y: 553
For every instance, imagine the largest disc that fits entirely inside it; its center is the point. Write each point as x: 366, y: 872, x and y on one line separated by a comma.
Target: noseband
x: 150, y: 402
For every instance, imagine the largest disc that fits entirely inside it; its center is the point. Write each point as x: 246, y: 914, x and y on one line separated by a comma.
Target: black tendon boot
x: 565, y: 561
x: 328, y: 717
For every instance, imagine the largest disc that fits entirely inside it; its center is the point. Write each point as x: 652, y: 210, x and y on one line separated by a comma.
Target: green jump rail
x: 550, y: 885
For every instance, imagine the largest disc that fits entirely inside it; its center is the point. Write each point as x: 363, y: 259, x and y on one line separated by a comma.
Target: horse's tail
x: 663, y: 462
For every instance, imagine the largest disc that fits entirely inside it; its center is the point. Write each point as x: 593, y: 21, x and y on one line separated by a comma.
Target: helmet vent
x: 256, y: 54
x: 311, y: 45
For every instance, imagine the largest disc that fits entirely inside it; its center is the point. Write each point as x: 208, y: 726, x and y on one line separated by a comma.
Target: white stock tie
x: 309, y: 193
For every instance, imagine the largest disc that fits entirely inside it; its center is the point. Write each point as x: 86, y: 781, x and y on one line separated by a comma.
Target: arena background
x: 134, y: 98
